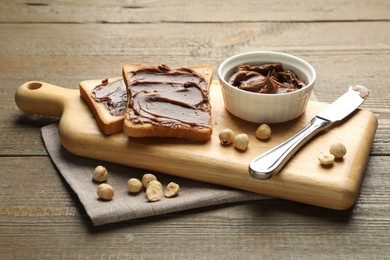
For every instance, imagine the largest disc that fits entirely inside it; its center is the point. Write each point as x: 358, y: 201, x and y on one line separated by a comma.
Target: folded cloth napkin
x: 77, y: 171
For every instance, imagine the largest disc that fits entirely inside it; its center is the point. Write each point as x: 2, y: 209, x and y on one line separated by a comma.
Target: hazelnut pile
x: 153, y: 188
x: 263, y: 133
x: 241, y: 141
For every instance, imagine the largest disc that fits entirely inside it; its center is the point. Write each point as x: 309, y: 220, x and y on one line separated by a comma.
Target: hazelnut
x: 326, y: 158
x: 338, y: 150
x: 263, y: 132
x: 241, y: 141
x: 100, y: 174
x: 105, y: 191
x: 134, y: 185
x: 172, y: 189
x: 226, y: 136
x: 154, y: 193
x: 154, y: 182
x: 148, y: 177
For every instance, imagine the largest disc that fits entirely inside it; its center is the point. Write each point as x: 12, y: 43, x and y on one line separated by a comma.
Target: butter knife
x: 271, y: 162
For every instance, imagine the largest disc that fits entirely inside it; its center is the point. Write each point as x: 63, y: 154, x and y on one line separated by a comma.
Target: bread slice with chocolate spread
x: 166, y: 102
x: 107, y: 100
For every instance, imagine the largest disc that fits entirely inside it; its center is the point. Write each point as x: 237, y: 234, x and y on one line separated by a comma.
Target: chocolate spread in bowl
x: 169, y: 97
x: 112, y: 95
x: 266, y: 79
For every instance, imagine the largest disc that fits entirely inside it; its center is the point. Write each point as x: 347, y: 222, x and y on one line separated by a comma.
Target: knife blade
x: 271, y: 162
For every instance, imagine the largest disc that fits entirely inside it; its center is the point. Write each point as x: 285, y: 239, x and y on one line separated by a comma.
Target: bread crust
x: 180, y: 131
x: 107, y: 123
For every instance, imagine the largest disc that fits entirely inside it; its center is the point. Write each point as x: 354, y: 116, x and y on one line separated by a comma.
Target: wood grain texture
x: 65, y: 42
x: 28, y: 55
x: 262, y: 228
x: 151, y: 11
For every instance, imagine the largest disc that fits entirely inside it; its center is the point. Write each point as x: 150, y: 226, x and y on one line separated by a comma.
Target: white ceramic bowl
x: 266, y: 108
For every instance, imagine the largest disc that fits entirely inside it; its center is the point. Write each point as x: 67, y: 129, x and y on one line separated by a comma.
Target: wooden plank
x: 116, y: 11
x: 34, y: 189
x: 49, y: 54
x: 42, y: 52
x: 189, y: 39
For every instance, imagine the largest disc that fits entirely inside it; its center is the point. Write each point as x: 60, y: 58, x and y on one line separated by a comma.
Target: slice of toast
x: 109, y: 123
x: 141, y: 123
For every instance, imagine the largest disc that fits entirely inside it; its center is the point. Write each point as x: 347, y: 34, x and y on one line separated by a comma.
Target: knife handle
x: 271, y: 162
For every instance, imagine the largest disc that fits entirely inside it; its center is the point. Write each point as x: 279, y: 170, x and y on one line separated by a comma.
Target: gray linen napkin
x: 77, y: 171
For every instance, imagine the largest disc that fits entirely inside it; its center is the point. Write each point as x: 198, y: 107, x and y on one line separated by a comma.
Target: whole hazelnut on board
x: 241, y: 141
x: 263, y: 132
x: 226, y: 136
x: 100, y: 174
x: 338, y: 150
x: 105, y: 191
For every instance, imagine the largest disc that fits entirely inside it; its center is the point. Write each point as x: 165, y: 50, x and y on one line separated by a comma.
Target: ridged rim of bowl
x: 276, y: 54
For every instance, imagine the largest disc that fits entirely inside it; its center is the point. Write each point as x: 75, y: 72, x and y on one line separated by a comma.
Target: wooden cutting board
x: 303, y: 179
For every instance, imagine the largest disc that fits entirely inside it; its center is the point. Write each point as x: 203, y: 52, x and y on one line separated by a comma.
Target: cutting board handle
x: 42, y: 98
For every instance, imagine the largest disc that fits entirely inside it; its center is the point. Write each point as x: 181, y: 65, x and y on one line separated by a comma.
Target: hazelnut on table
x: 172, y: 190
x: 154, y: 193
x: 146, y: 178
x: 100, y: 174
x: 134, y: 185
x: 105, y: 191
x: 154, y: 182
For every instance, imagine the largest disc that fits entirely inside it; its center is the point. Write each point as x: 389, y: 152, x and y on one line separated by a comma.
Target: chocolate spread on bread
x: 163, y: 96
x: 112, y: 95
x: 266, y: 79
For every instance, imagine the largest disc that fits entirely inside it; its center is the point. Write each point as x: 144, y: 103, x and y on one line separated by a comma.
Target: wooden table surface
x: 65, y: 42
